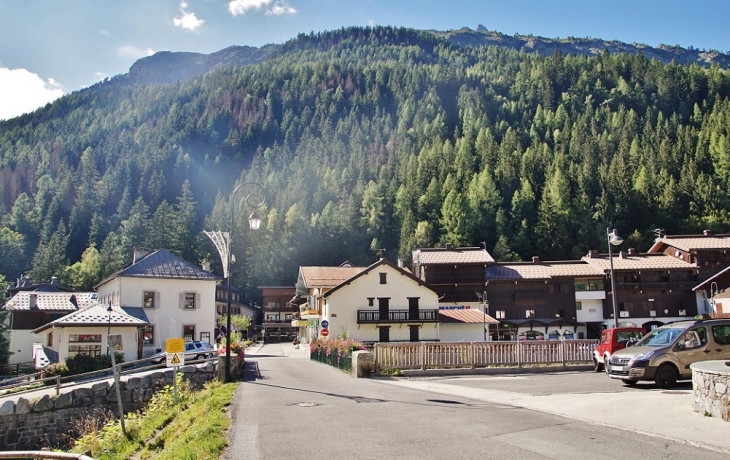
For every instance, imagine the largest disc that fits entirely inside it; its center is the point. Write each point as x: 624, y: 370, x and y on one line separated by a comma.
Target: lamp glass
x: 254, y: 221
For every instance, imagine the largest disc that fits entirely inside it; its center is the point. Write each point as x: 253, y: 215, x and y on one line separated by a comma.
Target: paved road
x: 292, y: 408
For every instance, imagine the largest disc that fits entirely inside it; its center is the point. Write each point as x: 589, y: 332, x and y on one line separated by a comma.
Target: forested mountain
x: 367, y: 138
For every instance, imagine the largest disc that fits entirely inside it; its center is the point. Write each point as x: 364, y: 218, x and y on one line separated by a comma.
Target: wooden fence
x: 441, y: 355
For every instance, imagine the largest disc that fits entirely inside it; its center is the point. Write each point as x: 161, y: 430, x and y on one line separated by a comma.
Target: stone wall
x: 49, y: 421
x: 711, y: 388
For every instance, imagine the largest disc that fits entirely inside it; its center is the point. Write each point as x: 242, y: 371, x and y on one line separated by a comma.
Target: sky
x: 51, y: 48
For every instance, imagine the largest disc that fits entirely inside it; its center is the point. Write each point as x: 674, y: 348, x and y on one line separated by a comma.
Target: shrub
x: 52, y: 370
x: 80, y: 364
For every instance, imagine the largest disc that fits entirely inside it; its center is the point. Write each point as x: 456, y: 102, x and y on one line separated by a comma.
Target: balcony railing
x: 397, y: 316
x: 455, y: 279
x: 458, y: 297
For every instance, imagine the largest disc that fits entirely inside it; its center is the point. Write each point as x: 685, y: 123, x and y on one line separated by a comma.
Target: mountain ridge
x: 171, y: 66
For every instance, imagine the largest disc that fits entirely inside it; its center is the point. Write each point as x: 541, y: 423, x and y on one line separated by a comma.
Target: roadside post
x: 114, y: 343
x: 175, y: 349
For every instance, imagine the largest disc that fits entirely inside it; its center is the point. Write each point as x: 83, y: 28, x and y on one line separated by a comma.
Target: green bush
x: 80, y: 364
x: 52, y: 370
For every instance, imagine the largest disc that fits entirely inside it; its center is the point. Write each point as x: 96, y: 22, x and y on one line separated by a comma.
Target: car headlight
x: 644, y: 356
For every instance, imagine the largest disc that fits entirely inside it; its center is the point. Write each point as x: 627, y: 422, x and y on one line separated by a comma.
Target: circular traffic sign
x: 325, y: 323
x: 325, y: 332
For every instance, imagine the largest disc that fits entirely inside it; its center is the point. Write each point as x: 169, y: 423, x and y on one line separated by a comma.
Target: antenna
x: 380, y: 252
x: 484, y: 245
x: 658, y: 232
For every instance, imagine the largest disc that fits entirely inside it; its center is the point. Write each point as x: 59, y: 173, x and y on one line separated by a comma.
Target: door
x: 383, y: 305
x: 384, y: 333
x: 413, y: 309
x: 414, y: 332
x: 692, y: 347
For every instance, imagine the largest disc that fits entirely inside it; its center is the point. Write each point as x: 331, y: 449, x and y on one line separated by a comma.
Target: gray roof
x: 643, y: 261
x: 164, y: 264
x: 689, y: 243
x: 95, y: 315
x: 50, y: 301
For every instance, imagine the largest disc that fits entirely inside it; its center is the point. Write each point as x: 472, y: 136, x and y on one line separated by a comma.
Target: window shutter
x: 181, y: 300
x: 197, y: 300
x: 157, y: 299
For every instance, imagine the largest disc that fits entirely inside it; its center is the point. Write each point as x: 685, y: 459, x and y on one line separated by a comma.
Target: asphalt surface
x: 289, y: 407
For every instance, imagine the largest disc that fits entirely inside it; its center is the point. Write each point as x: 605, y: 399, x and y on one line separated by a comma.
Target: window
x: 499, y: 314
x: 589, y: 285
x: 84, y: 344
x: 189, y: 303
x: 371, y: 301
x: 149, y: 299
x: 75, y: 338
x: 50, y: 339
x: 189, y: 333
x: 288, y: 316
x: 205, y: 337
x: 383, y: 278
x: 529, y: 313
x: 148, y: 337
x: 721, y: 334
x: 578, y: 306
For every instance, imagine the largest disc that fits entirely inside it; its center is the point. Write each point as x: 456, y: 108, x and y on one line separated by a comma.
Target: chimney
x: 448, y: 246
x: 139, y: 254
x: 206, y: 265
x: 535, y: 259
x: 707, y: 232
x: 622, y: 255
x: 54, y: 281
x: 632, y: 251
x: 400, y: 263
x: 592, y: 254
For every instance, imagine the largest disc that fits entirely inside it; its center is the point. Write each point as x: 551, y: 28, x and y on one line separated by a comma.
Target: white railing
x: 432, y: 355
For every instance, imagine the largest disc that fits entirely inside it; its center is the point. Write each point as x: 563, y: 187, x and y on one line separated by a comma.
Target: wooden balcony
x: 455, y: 279
x: 397, y: 316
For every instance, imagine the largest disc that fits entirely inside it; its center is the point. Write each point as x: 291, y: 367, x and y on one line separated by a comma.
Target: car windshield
x: 660, y: 337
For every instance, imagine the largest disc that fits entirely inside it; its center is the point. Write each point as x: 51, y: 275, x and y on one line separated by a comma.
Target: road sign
x: 325, y: 332
x: 325, y: 324
x: 175, y: 359
x: 175, y: 346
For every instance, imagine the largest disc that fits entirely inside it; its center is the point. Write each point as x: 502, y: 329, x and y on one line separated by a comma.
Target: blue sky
x: 51, y: 48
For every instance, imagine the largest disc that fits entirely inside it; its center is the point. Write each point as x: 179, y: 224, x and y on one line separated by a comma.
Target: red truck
x: 612, y: 340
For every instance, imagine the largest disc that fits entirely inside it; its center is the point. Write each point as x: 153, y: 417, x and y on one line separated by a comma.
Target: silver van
x: 665, y: 354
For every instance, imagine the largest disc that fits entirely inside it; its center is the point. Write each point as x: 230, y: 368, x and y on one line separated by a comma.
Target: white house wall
x: 21, y: 345
x: 466, y: 332
x: 591, y: 311
x: 61, y: 343
x: 168, y: 318
x: 341, y: 306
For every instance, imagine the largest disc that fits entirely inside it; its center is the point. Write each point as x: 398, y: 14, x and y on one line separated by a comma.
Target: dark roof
x: 163, y: 264
x: 721, y: 279
x: 95, y: 315
x: 137, y: 312
x: 540, y: 270
x: 451, y: 255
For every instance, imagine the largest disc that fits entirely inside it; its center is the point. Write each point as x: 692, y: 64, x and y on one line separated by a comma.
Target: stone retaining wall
x: 711, y: 388
x: 49, y: 421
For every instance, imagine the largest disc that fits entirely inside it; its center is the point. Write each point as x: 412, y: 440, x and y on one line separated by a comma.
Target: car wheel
x: 666, y: 376
x: 629, y: 382
x: 199, y: 357
x: 597, y: 367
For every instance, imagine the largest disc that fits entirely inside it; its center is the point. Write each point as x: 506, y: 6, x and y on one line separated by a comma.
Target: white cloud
x: 134, y: 52
x: 187, y: 20
x: 272, y: 7
x: 22, y: 91
x: 281, y: 8
x: 105, y: 33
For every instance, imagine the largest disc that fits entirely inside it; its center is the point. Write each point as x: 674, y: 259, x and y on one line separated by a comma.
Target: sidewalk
x: 665, y: 414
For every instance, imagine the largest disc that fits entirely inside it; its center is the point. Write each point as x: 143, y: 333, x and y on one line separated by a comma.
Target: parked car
x: 665, y: 354
x: 613, y: 340
x: 193, y: 350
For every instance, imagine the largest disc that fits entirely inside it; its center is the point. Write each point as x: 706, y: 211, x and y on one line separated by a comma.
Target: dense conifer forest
x: 367, y: 138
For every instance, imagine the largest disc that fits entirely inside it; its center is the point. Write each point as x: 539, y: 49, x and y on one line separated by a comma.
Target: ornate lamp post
x: 613, y: 240
x: 222, y: 242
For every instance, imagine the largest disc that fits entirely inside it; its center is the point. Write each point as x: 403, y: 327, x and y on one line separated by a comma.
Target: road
x: 291, y: 408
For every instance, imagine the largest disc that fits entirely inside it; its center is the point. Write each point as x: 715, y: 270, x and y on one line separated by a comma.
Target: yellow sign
x: 175, y: 346
x: 175, y: 359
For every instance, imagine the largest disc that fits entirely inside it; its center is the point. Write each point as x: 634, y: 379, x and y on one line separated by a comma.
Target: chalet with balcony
x: 710, y: 252
x: 281, y: 316
x: 312, y: 284
x: 237, y: 308
x: 651, y: 288
x: 456, y: 274
x: 545, y: 300
x: 382, y: 303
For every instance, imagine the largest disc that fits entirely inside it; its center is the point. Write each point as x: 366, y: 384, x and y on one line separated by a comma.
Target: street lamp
x: 109, y: 326
x: 613, y: 240
x: 483, y: 298
x: 254, y: 221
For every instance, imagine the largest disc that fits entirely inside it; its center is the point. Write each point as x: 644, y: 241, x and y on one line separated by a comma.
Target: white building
x: 382, y: 303
x: 85, y: 331
x: 177, y: 297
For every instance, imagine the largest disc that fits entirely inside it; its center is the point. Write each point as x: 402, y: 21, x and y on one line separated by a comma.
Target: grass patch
x: 195, y: 428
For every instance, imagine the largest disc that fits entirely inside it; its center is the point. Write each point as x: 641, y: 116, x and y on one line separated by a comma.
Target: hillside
x: 365, y: 138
